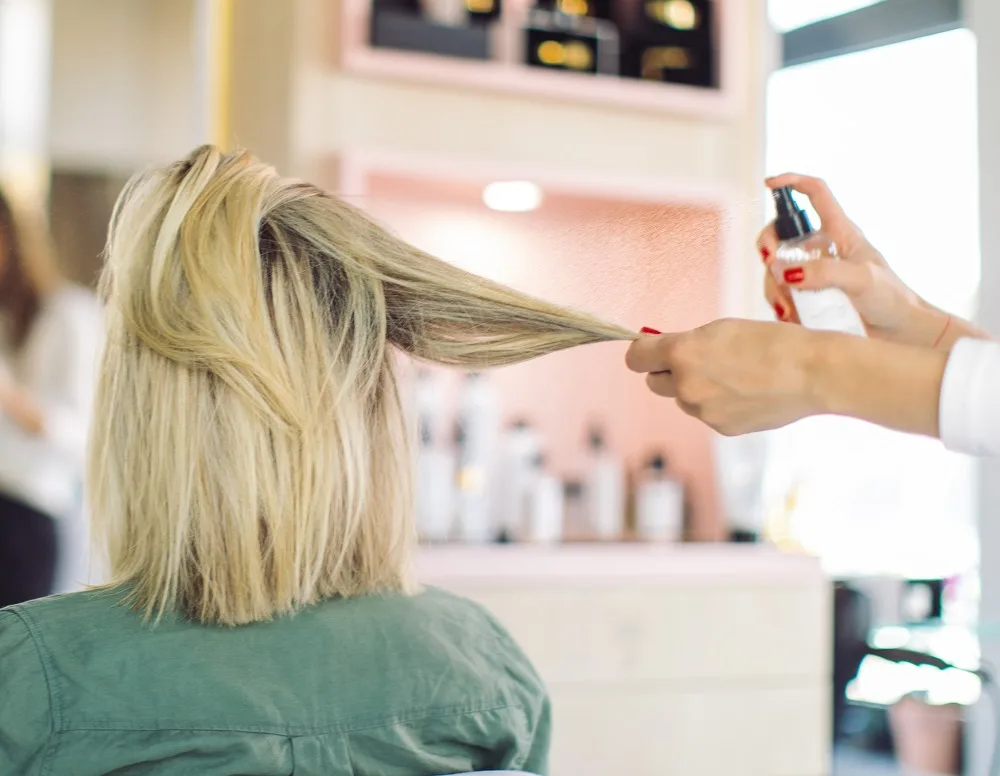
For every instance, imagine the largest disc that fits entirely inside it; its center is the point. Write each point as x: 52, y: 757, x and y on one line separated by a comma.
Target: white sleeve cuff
x: 969, y: 409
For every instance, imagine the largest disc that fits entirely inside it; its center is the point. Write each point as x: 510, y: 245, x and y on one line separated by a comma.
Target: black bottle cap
x: 596, y: 439
x: 791, y: 221
x: 657, y: 463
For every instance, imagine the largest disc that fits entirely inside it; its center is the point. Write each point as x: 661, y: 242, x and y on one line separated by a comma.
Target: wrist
x: 886, y: 383
x: 827, y: 359
x: 923, y: 325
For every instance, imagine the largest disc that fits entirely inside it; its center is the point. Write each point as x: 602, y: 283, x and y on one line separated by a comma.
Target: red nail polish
x: 795, y: 275
x: 765, y: 254
x: 779, y: 311
x: 647, y: 330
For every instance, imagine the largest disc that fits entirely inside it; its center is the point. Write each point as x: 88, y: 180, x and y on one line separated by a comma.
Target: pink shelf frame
x: 506, y: 75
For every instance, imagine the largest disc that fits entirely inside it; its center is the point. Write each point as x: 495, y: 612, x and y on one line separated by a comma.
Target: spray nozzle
x: 791, y: 220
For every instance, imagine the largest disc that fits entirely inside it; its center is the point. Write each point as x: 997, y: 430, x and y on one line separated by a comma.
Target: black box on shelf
x: 673, y: 41
x: 407, y: 30
x: 559, y: 41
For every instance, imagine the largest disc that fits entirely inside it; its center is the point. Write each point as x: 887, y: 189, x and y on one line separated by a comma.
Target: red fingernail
x: 647, y: 330
x: 765, y: 254
x: 779, y: 311
x: 795, y: 275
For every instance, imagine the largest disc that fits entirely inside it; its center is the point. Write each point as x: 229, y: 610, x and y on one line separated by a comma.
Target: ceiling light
x: 512, y: 196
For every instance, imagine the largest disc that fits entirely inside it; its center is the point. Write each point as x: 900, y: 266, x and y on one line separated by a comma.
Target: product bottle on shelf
x: 546, y: 508
x: 435, y: 490
x: 435, y: 465
x: 477, y: 437
x: 520, y: 446
x: 575, y: 521
x: 604, y: 490
x: 449, y: 12
x: 659, y: 504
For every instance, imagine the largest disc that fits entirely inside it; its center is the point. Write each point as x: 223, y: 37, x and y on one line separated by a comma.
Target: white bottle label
x: 829, y: 309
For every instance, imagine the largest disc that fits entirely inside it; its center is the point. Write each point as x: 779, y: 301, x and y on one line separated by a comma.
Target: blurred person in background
x: 249, y: 461
x: 50, y: 332
x: 920, y: 369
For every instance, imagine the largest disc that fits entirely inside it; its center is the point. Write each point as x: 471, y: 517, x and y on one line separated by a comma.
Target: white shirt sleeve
x: 969, y: 409
x: 62, y: 354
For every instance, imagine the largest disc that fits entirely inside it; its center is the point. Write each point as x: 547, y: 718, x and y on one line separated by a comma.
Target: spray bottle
x: 829, y: 309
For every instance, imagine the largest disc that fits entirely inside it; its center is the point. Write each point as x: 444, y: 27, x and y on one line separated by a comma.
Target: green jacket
x: 375, y: 685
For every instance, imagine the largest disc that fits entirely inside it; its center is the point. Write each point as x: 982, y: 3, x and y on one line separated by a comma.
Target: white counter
x: 691, y: 660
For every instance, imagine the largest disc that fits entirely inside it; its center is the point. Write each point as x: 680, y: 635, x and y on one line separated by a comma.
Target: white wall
x: 124, y: 83
x: 985, y: 22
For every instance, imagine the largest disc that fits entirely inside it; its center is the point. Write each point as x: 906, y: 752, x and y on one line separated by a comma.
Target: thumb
x: 852, y: 279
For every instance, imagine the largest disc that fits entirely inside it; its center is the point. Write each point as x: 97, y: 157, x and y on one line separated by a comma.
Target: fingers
x: 767, y: 242
x: 780, y: 299
x: 662, y: 384
x: 651, y: 354
x: 853, y: 279
x: 819, y: 194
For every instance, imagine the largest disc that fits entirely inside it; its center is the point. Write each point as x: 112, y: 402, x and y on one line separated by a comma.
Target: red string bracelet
x: 947, y: 325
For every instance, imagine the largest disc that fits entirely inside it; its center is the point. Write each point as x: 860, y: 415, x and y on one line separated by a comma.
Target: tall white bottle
x: 520, y: 447
x: 659, y: 504
x: 546, y: 511
x: 604, y: 490
x: 435, y: 486
x: 478, y: 438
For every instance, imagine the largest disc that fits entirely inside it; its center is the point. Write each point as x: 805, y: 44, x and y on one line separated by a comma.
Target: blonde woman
x: 49, y: 340
x: 250, y: 476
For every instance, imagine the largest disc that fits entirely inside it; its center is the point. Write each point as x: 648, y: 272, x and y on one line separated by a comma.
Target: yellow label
x: 574, y: 7
x: 679, y: 14
x: 575, y: 55
x: 480, y: 6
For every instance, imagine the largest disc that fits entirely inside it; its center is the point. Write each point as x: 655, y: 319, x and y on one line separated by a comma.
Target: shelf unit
x: 506, y: 75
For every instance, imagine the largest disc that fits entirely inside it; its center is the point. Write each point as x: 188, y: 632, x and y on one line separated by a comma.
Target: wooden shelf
x: 506, y: 75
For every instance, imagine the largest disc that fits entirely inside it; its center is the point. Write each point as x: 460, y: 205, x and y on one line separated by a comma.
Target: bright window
x: 893, y: 131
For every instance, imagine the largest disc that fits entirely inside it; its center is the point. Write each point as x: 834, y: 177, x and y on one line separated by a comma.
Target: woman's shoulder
x: 66, y: 611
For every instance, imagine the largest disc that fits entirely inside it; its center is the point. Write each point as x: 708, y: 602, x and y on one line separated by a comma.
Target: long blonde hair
x: 249, y: 453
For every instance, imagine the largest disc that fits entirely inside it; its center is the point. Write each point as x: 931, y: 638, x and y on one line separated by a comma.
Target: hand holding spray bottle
x: 828, y: 309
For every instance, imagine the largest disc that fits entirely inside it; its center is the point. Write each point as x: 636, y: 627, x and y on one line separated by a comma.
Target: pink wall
x: 637, y: 264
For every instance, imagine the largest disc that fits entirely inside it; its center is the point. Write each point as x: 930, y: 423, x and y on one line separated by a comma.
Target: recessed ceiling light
x: 512, y: 196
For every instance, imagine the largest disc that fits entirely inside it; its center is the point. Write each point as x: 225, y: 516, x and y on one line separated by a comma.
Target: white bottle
x: 478, y: 437
x: 435, y: 466
x: 435, y: 491
x: 829, y: 309
x: 520, y: 446
x: 659, y: 504
x: 546, y: 507
x: 605, y: 491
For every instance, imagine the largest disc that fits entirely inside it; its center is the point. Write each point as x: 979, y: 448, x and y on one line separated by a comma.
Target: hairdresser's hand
x: 742, y: 376
x: 737, y: 376
x: 890, y: 310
